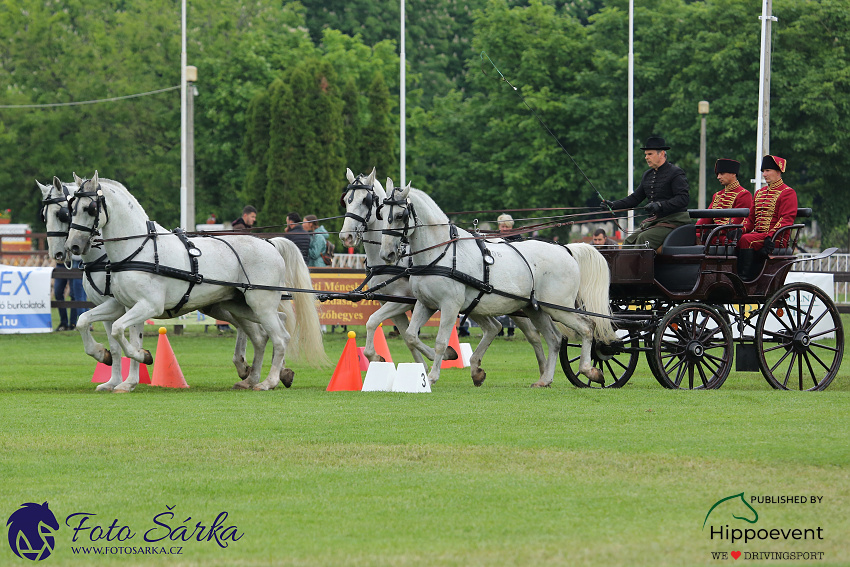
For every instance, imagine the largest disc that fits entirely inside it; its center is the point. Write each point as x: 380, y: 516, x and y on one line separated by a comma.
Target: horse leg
x: 490, y: 327
x: 448, y: 317
x: 115, y: 353
x: 136, y: 315
x: 109, y: 310
x: 419, y: 348
x: 533, y: 337
x: 383, y: 313
x: 128, y: 385
x: 264, y: 304
x: 543, y: 323
x: 582, y: 326
x: 259, y: 339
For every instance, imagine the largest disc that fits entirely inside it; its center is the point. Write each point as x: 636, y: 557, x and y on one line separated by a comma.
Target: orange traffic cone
x: 102, y: 372
x: 381, y: 346
x: 166, y: 370
x: 454, y: 342
x: 362, y: 361
x: 346, y: 376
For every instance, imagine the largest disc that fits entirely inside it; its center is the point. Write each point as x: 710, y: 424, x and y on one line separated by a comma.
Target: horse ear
x: 57, y: 183
x: 94, y: 179
x: 371, y: 179
x: 45, y: 189
x: 349, y: 175
x: 77, y: 180
x: 390, y: 185
x: 406, y: 191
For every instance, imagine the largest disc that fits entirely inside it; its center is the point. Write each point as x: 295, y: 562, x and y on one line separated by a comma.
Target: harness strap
x: 99, y: 265
x: 193, y: 262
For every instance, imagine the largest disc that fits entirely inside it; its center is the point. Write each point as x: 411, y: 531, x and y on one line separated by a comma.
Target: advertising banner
x: 24, y: 299
x: 342, y: 312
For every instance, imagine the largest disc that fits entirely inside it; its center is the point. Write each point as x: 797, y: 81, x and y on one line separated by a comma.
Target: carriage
x: 691, y: 315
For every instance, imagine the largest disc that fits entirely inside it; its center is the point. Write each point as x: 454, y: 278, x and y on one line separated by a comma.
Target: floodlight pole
x: 631, y: 114
x: 763, y: 133
x: 402, y: 106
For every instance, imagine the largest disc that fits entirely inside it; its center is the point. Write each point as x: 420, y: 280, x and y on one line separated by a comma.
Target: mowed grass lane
x: 497, y: 475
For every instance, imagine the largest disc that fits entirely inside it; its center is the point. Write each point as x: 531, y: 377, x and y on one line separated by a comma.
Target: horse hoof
x: 104, y: 388
x: 451, y: 354
x: 381, y: 358
x: 479, y: 377
x: 107, y: 358
x: 241, y: 386
x: 148, y: 357
x: 286, y: 376
x: 595, y: 375
x: 541, y: 384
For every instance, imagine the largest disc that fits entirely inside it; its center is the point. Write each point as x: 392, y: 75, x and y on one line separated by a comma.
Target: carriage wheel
x: 793, y: 338
x: 692, y: 348
x: 616, y: 364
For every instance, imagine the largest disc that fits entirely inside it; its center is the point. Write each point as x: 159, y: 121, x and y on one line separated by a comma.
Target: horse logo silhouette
x: 31, y: 529
x: 732, y: 498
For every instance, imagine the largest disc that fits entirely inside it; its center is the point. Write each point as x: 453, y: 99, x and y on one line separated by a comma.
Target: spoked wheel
x: 799, y: 338
x: 616, y: 364
x: 692, y: 348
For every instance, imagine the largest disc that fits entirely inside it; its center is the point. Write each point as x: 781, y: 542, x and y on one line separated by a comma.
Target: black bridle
x: 93, y: 209
x: 371, y: 199
x: 64, y: 212
x: 407, y: 212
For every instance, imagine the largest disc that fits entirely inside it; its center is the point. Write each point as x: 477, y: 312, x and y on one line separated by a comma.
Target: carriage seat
x: 682, y: 240
x: 794, y: 230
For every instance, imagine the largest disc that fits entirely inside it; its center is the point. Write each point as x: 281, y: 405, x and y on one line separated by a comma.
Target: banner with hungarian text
x: 24, y: 299
x: 340, y: 311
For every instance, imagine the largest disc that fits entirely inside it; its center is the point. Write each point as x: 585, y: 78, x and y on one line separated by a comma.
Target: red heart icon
x: 735, y: 554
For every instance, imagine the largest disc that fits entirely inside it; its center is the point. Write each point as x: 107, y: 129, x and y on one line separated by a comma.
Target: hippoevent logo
x: 31, y: 530
x: 731, y: 515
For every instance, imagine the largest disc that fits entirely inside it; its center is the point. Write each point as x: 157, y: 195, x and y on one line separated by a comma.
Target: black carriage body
x: 678, y: 306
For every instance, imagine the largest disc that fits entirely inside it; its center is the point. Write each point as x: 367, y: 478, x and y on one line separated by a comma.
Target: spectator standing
x: 600, y: 238
x: 246, y: 221
x: 296, y: 233
x: 318, y: 241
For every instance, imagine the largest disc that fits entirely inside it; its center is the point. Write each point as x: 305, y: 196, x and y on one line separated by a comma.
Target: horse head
x: 400, y: 222
x: 361, y: 197
x: 56, y: 215
x: 88, y: 211
x: 31, y: 530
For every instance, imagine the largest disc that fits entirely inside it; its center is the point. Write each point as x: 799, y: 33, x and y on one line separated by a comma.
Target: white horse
x: 524, y: 274
x: 363, y: 221
x: 56, y: 216
x: 160, y: 274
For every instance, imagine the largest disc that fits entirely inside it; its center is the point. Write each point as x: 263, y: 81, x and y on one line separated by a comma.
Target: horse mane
x: 124, y: 193
x: 424, y: 200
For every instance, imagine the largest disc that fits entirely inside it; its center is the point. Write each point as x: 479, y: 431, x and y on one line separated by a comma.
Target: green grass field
x: 497, y: 475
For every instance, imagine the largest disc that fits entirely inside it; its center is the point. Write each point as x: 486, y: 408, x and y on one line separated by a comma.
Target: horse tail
x: 304, y: 328
x: 593, y: 288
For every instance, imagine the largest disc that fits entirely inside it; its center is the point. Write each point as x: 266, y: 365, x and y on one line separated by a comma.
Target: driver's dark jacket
x: 666, y: 185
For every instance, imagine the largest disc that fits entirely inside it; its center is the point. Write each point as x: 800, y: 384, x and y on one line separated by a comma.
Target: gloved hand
x: 607, y: 205
x: 653, y: 208
x: 769, y: 246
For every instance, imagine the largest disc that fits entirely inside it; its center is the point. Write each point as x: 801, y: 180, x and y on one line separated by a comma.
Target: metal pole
x: 184, y: 161
x: 763, y: 129
x: 701, y: 194
x: 402, y: 105
x: 702, y: 108
x: 631, y: 113
x: 190, y: 155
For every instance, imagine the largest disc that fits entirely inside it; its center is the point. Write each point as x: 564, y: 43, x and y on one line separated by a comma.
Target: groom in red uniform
x: 775, y: 207
x: 732, y: 196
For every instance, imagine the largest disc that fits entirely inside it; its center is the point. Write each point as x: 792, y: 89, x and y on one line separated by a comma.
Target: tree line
x: 289, y: 94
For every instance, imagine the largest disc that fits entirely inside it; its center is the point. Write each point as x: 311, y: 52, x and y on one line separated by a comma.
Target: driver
x: 666, y: 187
